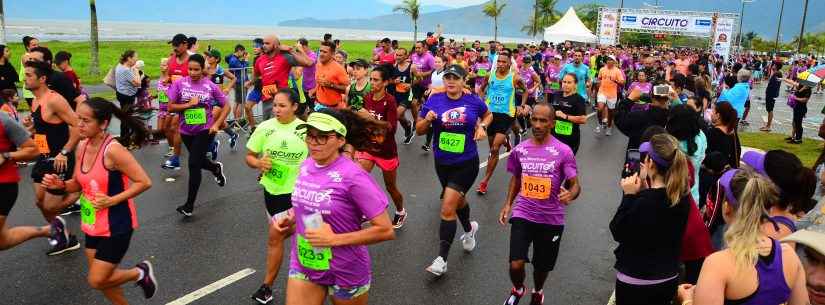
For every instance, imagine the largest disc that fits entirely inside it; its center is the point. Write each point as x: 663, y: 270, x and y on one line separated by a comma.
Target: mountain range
x: 760, y: 15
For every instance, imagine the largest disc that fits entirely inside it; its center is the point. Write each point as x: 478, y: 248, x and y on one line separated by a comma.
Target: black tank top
x: 56, y: 134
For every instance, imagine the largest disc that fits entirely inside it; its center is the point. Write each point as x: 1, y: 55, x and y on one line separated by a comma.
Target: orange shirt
x: 608, y: 82
x: 334, y: 73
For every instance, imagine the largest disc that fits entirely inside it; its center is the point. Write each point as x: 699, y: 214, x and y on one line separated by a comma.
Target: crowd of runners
x: 696, y: 223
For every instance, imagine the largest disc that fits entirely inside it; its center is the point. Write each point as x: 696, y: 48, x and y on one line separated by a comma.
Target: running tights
x: 446, y: 231
x: 197, y: 145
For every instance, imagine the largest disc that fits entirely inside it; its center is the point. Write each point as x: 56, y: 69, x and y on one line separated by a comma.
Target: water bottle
x: 312, y: 222
x: 95, y: 188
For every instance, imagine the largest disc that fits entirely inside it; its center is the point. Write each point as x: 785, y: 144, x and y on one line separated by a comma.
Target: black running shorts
x: 459, y: 177
x: 9, y: 196
x: 544, y: 238
x: 502, y: 123
x: 45, y: 165
x: 276, y: 204
x: 109, y: 249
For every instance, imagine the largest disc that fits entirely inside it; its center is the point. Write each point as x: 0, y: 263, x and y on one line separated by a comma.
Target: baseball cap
x: 360, y: 63
x: 214, y: 53
x: 755, y: 160
x: 178, y: 39
x: 324, y: 122
x: 456, y: 70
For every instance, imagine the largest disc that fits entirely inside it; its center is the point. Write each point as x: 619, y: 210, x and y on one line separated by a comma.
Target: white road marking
x: 197, y: 294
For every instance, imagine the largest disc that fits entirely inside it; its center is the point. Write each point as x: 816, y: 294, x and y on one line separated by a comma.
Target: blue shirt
x: 238, y: 67
x: 455, y: 121
x: 581, y: 73
x: 736, y: 96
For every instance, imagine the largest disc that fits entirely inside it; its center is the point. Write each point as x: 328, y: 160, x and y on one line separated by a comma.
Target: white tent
x: 569, y: 27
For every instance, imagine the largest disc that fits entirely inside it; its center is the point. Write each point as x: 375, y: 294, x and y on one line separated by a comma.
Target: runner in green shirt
x: 277, y: 149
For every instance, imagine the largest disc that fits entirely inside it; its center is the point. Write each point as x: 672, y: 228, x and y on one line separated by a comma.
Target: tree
x: 493, y: 10
x: 748, y: 39
x: 589, y: 15
x: 410, y: 8
x: 544, y: 15
x: 2, y: 24
x: 94, y: 65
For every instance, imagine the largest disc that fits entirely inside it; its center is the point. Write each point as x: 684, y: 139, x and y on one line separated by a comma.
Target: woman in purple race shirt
x: 331, y: 198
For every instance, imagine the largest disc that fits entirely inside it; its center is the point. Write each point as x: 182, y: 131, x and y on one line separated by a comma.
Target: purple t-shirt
x: 551, y: 72
x: 644, y: 88
x: 309, y: 72
x: 455, y: 122
x: 344, y: 194
x: 553, y: 163
x: 181, y: 91
x: 423, y: 63
x: 485, y: 68
x: 526, y: 75
x: 163, y: 98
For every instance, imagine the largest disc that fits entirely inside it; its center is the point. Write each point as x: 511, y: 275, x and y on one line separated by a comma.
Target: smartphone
x: 632, y: 163
x: 661, y: 90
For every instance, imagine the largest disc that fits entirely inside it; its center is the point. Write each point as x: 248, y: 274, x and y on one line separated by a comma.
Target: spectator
x: 63, y: 62
x: 238, y: 61
x: 771, y: 93
x: 739, y: 93
x: 127, y: 83
x: 8, y: 75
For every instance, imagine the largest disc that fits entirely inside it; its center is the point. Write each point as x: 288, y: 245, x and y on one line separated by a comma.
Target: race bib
x: 451, y: 142
x: 162, y: 97
x: 88, y: 214
x: 269, y: 91
x: 535, y: 187
x: 311, y: 259
x: 195, y: 116
x: 278, y: 173
x: 564, y: 128
x: 482, y: 72
x: 555, y: 86
x: 42, y: 144
x: 402, y: 87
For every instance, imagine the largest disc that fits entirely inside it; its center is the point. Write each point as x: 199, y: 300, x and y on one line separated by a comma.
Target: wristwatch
x: 65, y: 152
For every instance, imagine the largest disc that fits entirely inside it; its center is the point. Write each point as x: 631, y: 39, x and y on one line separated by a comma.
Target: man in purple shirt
x: 309, y: 71
x: 544, y: 182
x: 423, y: 66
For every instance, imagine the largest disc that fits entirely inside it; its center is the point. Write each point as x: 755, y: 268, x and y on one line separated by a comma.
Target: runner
x: 423, y: 66
x: 331, y: 79
x: 360, y: 87
x: 553, y: 79
x: 544, y: 182
x: 386, y: 56
x: 177, y: 68
x: 610, y: 80
x: 109, y: 178
x: 16, y: 145
x: 332, y: 197
x: 754, y: 269
x: 479, y: 73
x: 271, y: 69
x: 581, y: 71
x: 570, y: 112
x: 532, y: 84
x: 501, y: 100
x: 194, y: 96
x: 436, y: 86
x: 277, y: 150
x: 402, y: 80
x: 308, y: 74
x: 454, y: 117
x: 226, y: 81
x: 166, y: 120
x: 55, y: 133
x: 381, y: 106
x: 29, y: 43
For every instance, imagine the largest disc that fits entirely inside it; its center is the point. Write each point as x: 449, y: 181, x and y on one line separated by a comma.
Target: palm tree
x: 411, y: 8
x: 748, y: 38
x: 94, y: 65
x: 2, y: 24
x: 493, y: 10
x: 589, y: 14
x: 544, y: 15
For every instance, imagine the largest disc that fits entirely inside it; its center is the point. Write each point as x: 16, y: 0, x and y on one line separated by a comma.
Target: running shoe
x: 148, y: 283
x: 213, y: 149
x: 399, y: 219
x: 63, y: 245
x: 71, y: 209
x: 425, y: 147
x: 263, y: 295
x: 468, y: 240
x: 438, y: 267
x: 220, y: 178
x: 608, y: 131
x: 233, y: 142
x: 482, y: 188
x: 537, y: 298
x: 515, y: 296
x: 598, y: 129
x: 408, y: 137
x: 59, y: 233
x: 183, y: 210
x: 173, y: 163
x: 171, y: 152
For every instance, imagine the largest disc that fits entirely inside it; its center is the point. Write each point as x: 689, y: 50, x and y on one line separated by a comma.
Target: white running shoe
x: 438, y: 267
x: 598, y: 129
x: 468, y: 240
x: 608, y: 131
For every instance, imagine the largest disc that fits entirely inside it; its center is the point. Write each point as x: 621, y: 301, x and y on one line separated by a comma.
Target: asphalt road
x: 228, y: 235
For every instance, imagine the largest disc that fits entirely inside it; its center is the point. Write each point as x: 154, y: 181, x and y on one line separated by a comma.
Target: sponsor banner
x: 666, y: 23
x: 609, y: 26
x: 723, y: 36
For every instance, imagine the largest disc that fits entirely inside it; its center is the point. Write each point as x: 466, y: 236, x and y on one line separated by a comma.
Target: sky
x: 450, y: 3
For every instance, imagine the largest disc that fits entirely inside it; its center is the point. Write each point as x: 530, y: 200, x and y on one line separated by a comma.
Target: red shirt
x: 273, y: 70
x: 384, y: 110
x: 177, y: 70
x: 8, y: 170
x: 386, y: 58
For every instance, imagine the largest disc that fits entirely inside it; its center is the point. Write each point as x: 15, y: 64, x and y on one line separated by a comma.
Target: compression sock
x: 446, y: 234
x: 464, y: 217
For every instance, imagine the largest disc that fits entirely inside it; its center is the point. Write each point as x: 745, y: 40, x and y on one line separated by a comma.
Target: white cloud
x: 451, y: 3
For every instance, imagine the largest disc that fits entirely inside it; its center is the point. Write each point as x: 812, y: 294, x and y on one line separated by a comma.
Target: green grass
x: 152, y: 51
x: 808, y: 151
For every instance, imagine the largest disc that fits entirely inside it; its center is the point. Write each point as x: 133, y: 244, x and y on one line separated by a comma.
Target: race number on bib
x: 269, y: 91
x: 42, y: 144
x: 535, y: 187
x: 311, y: 259
x: 564, y: 128
x: 482, y: 72
x: 162, y: 97
x: 87, y: 211
x: 452, y: 142
x: 555, y: 86
x: 278, y: 173
x: 196, y: 116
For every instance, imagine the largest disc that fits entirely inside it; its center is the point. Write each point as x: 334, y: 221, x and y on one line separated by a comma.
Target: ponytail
x: 676, y: 174
x: 754, y: 193
x: 103, y: 110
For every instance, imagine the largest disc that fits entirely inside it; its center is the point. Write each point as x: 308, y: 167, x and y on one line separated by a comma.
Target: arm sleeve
x: 14, y: 131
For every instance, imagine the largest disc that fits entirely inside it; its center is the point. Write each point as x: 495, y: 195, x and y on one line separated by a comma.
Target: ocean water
x: 78, y: 30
